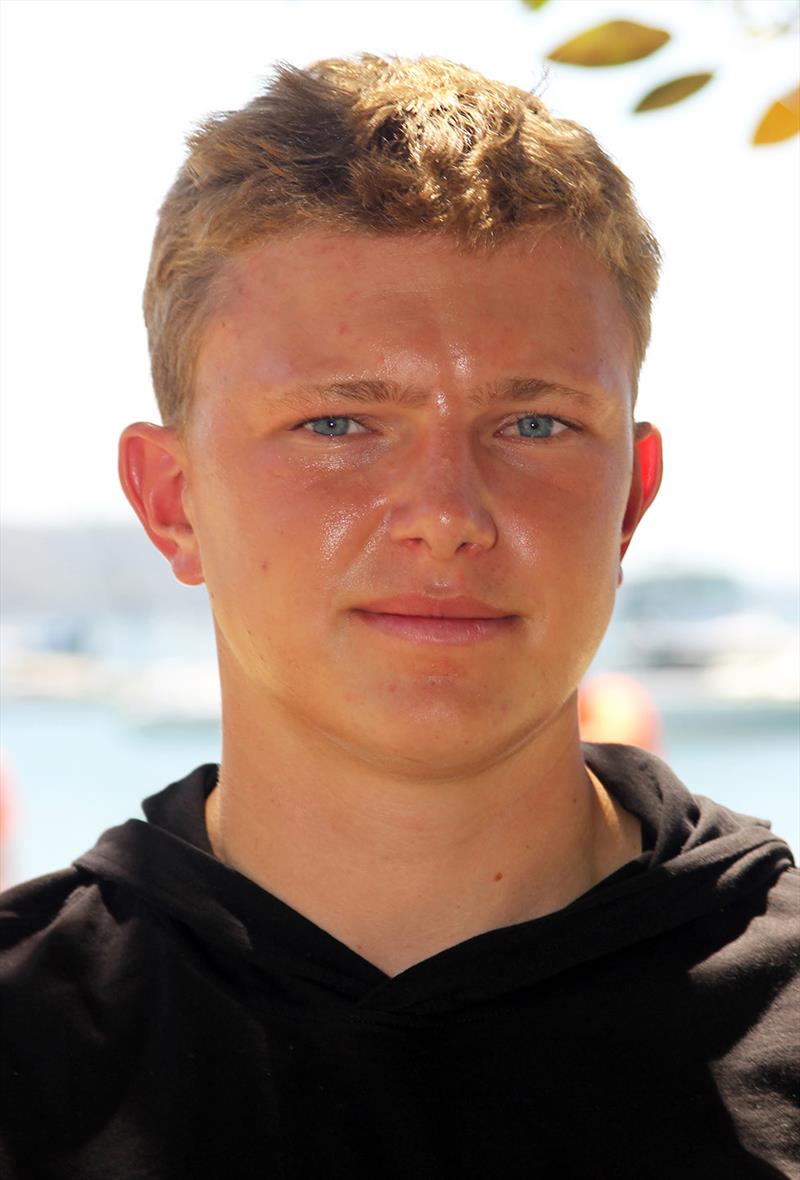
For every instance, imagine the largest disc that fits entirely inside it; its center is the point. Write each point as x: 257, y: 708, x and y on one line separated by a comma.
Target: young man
x: 409, y: 927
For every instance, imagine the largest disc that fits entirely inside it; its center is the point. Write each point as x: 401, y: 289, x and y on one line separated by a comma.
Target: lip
x: 424, y: 606
x: 416, y: 618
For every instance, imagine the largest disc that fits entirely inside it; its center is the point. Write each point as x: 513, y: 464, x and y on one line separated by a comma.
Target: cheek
x: 344, y: 514
x: 566, y: 531
x: 581, y: 499
x: 286, y: 529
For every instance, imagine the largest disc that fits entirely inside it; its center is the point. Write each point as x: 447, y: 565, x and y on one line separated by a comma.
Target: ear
x: 152, y: 471
x: 645, y: 479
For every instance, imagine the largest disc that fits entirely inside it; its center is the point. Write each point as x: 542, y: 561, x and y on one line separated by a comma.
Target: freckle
x: 498, y: 876
x: 343, y: 330
x: 264, y: 567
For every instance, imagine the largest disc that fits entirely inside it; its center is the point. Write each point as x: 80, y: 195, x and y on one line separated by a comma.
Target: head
x: 459, y: 285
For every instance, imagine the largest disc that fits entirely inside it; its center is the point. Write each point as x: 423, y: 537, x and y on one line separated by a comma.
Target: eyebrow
x: 515, y: 389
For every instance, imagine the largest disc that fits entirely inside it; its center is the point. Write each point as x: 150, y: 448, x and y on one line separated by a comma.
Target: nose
x: 439, y: 501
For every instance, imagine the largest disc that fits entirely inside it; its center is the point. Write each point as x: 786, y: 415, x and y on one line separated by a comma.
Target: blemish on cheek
x: 498, y: 877
x: 264, y: 566
x: 343, y: 330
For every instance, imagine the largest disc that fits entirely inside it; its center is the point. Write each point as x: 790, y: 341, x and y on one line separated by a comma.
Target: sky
x: 98, y: 96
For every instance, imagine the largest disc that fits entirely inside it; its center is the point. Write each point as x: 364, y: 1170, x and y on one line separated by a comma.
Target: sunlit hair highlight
x: 388, y: 146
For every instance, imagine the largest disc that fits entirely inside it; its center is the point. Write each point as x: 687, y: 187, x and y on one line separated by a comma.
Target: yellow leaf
x: 781, y: 121
x: 671, y: 92
x: 611, y: 44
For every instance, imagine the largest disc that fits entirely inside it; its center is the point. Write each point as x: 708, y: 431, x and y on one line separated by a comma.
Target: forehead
x: 319, y: 306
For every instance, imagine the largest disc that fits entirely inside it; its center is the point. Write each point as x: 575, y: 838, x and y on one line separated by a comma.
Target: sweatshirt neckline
x: 168, y: 860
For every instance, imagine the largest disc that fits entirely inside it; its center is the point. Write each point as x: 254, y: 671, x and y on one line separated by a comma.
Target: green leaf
x: 781, y: 121
x: 534, y: 4
x: 669, y: 93
x: 611, y: 44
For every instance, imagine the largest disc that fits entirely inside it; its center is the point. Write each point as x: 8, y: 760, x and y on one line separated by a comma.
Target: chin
x: 433, y: 759
x: 444, y: 743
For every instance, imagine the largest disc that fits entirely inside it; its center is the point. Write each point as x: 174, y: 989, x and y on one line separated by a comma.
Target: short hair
x: 385, y: 146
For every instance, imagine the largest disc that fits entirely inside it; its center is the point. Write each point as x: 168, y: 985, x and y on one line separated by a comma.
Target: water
x: 78, y: 768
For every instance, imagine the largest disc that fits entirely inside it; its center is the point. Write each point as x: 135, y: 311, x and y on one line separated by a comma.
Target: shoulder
x: 783, y: 903
x: 35, y: 906
x: 61, y: 933
x: 773, y: 939
x: 752, y: 935
x: 76, y: 964
x: 753, y: 984
x: 77, y: 956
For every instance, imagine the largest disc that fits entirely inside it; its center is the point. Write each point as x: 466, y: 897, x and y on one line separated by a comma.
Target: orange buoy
x: 613, y: 707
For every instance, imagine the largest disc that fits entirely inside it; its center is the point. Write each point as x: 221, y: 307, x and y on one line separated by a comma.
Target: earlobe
x: 152, y: 472
x: 645, y: 479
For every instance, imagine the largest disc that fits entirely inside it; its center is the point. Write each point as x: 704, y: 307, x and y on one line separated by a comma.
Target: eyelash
x: 353, y: 418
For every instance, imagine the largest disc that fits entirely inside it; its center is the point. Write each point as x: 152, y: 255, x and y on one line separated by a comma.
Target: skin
x: 406, y: 796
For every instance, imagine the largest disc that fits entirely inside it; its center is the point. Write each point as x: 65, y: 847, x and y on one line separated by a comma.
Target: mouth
x: 418, y: 619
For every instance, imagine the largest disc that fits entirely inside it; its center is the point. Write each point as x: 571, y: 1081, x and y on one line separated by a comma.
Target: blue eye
x: 329, y: 427
x: 338, y: 426
x: 538, y: 426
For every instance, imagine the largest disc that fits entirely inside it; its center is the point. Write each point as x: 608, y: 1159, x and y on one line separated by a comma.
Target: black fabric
x: 163, y: 1016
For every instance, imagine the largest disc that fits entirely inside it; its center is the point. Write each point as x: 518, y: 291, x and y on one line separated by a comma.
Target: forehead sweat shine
x: 383, y: 146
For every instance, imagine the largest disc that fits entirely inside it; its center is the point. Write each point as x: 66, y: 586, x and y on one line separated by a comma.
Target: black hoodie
x: 165, y: 1017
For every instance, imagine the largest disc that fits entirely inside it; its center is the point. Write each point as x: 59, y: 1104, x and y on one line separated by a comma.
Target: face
x: 388, y: 416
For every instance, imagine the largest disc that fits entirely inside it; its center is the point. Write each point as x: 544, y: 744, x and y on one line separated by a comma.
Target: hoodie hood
x: 702, y: 857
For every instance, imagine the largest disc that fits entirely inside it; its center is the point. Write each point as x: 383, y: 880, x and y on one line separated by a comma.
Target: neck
x: 400, y: 865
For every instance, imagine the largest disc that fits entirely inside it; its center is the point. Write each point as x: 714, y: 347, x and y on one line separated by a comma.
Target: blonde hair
x: 389, y: 146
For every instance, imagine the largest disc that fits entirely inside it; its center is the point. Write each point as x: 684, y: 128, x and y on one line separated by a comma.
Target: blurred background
x: 108, y: 669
